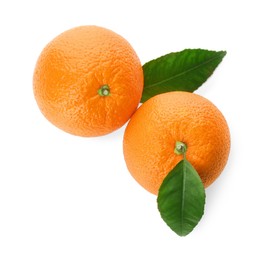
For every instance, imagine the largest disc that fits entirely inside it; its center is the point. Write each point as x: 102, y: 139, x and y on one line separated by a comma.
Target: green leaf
x: 181, y: 198
x: 179, y: 71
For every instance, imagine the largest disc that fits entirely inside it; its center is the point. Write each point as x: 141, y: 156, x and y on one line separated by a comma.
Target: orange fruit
x: 88, y: 81
x: 153, y: 131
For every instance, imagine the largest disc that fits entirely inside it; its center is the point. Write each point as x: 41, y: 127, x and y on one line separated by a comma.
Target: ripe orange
x: 151, y: 135
x: 88, y: 81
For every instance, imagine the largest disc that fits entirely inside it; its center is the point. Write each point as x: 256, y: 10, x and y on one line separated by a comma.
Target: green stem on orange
x: 180, y: 148
x: 104, y: 91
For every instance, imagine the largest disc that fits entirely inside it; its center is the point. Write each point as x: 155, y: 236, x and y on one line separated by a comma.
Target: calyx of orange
x: 180, y: 148
x: 104, y: 91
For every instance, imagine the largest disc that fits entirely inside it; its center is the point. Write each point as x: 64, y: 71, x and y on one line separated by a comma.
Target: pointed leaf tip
x: 186, y: 70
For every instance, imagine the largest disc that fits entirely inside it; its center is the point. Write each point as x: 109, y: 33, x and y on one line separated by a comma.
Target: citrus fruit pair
x: 88, y: 81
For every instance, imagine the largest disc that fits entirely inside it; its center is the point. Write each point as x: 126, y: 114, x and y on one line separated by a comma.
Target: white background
x: 67, y: 197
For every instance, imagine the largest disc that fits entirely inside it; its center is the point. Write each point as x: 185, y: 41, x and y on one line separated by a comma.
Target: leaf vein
x: 183, y: 194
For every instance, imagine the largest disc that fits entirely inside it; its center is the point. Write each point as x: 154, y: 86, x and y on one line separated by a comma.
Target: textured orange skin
x: 152, y: 132
x: 71, y: 69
